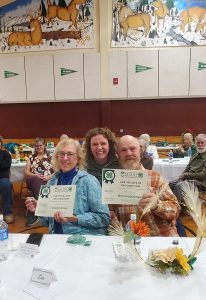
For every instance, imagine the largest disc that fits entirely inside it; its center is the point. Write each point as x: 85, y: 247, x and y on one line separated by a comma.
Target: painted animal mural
x: 160, y: 11
x: 196, y: 14
x: 129, y: 20
x: 163, y: 23
x: 69, y: 13
x: 28, y: 38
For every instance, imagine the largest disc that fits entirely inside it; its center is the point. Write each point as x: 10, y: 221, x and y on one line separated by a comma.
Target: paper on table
x: 43, y: 293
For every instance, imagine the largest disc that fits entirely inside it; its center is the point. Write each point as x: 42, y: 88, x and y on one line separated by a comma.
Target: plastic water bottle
x: 132, y: 218
x: 170, y: 156
x: 4, y: 251
x: 189, y: 152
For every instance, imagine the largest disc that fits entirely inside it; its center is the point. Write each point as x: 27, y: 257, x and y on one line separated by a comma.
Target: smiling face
x: 100, y: 149
x: 39, y: 148
x: 129, y: 152
x: 67, y: 158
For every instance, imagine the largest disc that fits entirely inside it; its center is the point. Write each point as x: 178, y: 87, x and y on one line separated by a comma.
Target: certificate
x: 123, y: 186
x: 55, y: 198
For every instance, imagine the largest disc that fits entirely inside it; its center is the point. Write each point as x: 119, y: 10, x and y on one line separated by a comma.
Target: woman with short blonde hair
x: 63, y: 143
x: 90, y: 216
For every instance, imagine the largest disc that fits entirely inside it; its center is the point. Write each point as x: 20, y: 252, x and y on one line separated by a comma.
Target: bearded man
x: 164, y: 211
x: 195, y: 171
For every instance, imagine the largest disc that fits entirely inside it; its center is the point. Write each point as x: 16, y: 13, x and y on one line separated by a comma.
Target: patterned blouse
x: 41, y: 166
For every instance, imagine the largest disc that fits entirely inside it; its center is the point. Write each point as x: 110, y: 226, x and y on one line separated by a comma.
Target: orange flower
x: 140, y: 228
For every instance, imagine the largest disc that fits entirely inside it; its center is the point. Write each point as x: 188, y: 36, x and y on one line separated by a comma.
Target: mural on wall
x: 38, y: 25
x: 157, y: 23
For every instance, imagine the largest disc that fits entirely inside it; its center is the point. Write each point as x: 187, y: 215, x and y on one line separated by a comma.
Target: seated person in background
x: 6, y: 192
x: 63, y: 136
x: 38, y: 171
x: 90, y: 216
x: 195, y: 170
x: 100, y: 151
x: 162, y: 216
x: 151, y: 149
x: 146, y: 160
x: 187, y: 142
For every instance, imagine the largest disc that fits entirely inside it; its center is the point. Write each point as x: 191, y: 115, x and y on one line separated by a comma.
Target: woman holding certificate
x: 90, y: 216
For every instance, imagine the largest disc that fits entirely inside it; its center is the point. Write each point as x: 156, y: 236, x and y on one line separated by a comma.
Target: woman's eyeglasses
x: 68, y: 154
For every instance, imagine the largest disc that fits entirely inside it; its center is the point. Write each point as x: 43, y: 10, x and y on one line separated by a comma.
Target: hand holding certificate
x: 120, y: 186
x: 57, y: 198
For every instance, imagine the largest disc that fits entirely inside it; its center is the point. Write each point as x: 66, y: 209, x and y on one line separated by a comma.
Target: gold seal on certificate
x: 55, y: 198
x: 120, y: 186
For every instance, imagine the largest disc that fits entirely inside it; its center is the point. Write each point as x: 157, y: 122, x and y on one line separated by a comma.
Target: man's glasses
x: 68, y: 154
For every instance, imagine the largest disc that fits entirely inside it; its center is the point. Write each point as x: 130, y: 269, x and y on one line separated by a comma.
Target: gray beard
x: 130, y: 165
x: 201, y: 150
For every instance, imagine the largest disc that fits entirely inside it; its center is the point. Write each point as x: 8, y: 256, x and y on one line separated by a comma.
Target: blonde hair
x: 63, y: 143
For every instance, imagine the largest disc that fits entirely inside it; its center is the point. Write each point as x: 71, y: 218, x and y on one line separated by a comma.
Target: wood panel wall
x: 156, y: 117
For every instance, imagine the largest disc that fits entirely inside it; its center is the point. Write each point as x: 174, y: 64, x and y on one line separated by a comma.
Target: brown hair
x: 39, y: 140
x: 106, y: 133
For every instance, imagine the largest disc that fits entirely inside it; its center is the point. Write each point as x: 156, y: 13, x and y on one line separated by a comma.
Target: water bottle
x: 132, y: 218
x: 4, y: 251
x: 189, y: 152
x: 170, y: 156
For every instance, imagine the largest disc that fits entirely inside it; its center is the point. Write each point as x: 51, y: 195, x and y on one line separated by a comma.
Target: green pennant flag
x: 8, y: 74
x: 139, y: 68
x: 66, y: 71
x: 201, y: 66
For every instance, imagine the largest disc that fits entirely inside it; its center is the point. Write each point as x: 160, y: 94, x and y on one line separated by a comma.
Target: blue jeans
x: 7, y: 195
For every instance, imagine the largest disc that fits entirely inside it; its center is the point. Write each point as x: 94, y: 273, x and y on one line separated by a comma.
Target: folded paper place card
x: 43, y: 284
x: 27, y: 250
x: 42, y: 277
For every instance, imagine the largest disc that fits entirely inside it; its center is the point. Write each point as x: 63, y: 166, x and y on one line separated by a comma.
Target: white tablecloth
x: 170, y: 170
x: 17, y: 172
x: 166, y: 148
x: 92, y: 272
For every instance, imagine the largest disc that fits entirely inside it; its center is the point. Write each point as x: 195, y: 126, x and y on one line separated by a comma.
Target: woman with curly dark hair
x: 100, y: 151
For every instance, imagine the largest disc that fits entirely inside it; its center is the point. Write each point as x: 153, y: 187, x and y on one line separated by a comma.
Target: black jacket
x: 5, y: 163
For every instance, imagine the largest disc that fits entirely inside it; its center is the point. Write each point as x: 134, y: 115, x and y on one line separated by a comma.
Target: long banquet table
x: 170, y: 170
x: 93, y: 272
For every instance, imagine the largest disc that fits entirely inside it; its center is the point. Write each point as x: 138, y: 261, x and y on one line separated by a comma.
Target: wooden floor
x: 20, y: 216
x: 19, y: 212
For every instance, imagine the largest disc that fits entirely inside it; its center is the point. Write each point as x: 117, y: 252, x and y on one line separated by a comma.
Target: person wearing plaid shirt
x: 162, y: 217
